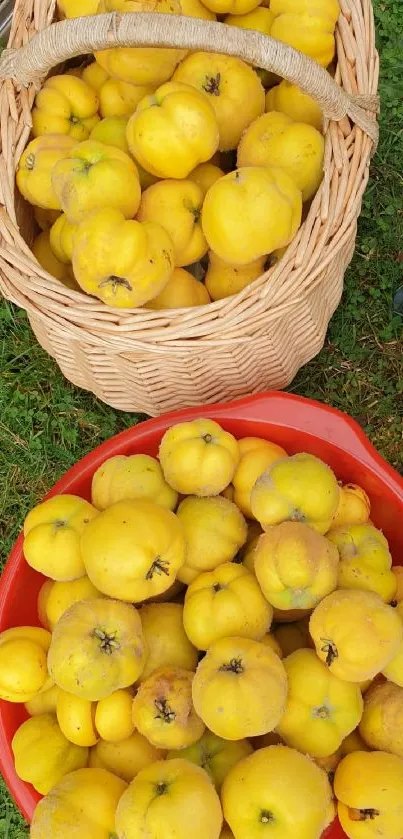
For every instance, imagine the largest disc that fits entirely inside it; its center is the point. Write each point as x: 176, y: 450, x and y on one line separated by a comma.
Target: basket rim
x: 329, y: 221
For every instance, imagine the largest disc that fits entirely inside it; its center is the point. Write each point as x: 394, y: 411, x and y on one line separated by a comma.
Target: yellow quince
x: 96, y: 176
x: 65, y: 105
x: 173, y: 130
x: 124, y: 263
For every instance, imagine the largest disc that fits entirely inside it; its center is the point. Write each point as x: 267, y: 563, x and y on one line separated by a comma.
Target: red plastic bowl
x: 295, y: 423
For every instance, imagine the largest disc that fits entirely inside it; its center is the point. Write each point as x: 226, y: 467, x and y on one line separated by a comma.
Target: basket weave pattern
x: 157, y: 361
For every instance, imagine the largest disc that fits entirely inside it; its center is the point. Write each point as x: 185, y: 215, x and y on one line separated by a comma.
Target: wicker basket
x: 255, y: 340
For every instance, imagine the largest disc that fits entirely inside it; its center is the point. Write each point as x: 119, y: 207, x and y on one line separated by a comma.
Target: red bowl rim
x: 286, y: 410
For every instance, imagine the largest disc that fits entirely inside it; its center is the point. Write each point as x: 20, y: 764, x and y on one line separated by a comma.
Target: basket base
x: 157, y: 381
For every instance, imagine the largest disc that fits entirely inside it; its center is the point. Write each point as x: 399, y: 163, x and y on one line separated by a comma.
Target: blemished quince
x: 173, y: 130
x: 177, y: 781
x: 87, y: 799
x: 198, y: 457
x: 293, y: 636
x: 205, y: 175
x: 223, y: 603
x: 240, y: 688
x: 250, y: 212
x: 321, y: 709
x: 275, y: 140
x: 97, y: 647
x: 394, y: 670
x: 233, y: 88
x: 369, y: 792
x: 23, y: 669
x: 215, y: 755
x: 55, y: 598
x: 65, y: 105
x: 214, y: 531
x: 289, y: 99
x: 61, y: 238
x: 42, y: 250
x: 45, y: 701
x: 118, y: 98
x: 52, y: 532
x: 257, y: 795
x: 125, y: 758
x: 256, y: 455
x: 166, y: 639
x: 354, y: 507
x: 181, y: 291
x: 381, y: 724
x: 35, y: 167
x: 295, y: 566
x: 96, y: 176
x: 365, y: 559
x: 94, y: 75
x: 355, y: 633
x: 113, y: 716
x: 146, y: 66
x: 176, y: 205
x: 77, y: 8
x: 76, y: 719
x: 42, y: 754
x: 135, y: 551
x: 300, y: 488
x: 223, y: 279
x: 112, y: 132
x: 123, y: 262
x: 163, y: 709
x: 130, y: 478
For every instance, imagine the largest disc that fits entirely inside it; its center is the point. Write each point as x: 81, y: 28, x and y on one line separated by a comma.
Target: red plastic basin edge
x: 296, y: 423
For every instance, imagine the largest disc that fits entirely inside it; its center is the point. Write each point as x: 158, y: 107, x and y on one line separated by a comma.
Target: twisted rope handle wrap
x: 79, y: 36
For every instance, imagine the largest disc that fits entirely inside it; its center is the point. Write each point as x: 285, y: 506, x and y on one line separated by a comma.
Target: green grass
x: 46, y: 424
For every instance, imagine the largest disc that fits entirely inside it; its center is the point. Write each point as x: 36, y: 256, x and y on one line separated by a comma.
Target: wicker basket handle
x: 78, y: 36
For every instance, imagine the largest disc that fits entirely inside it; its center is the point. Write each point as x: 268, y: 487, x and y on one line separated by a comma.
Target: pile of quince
x: 221, y: 650
x: 164, y: 178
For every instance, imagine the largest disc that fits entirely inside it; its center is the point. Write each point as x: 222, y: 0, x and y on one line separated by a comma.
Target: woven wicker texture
x: 157, y: 361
